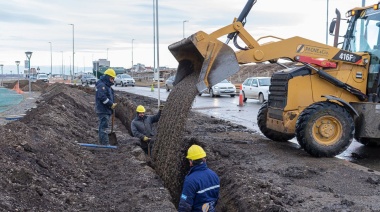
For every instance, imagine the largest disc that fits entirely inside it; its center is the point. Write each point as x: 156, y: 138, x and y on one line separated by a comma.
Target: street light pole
x: 132, y: 59
x: 51, y: 59
x: 29, y: 55
x: 132, y: 52
x: 62, y: 65
x: 18, y: 73
x: 327, y: 22
x: 73, y: 53
x: 184, y: 27
x: 2, y: 76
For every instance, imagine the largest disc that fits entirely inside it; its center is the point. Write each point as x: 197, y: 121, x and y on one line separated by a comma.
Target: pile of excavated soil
x: 44, y: 169
x: 24, y: 85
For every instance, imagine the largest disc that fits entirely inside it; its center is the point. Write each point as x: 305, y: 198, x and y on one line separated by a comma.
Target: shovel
x: 112, y: 134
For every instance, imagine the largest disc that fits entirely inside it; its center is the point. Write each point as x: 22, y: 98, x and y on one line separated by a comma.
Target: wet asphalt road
x: 227, y: 108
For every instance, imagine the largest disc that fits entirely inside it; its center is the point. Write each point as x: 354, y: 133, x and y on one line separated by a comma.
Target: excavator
x: 329, y: 98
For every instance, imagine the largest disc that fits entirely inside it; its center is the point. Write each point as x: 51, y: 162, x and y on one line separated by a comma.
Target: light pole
x: 184, y: 27
x: 18, y: 72
x: 62, y: 65
x: 51, y: 60
x: 29, y: 55
x: 73, y: 53
x: 2, y: 76
x: 132, y: 52
x: 327, y: 22
x: 132, y: 58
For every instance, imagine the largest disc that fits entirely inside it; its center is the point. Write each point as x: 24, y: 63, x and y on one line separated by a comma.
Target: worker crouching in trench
x: 142, y: 128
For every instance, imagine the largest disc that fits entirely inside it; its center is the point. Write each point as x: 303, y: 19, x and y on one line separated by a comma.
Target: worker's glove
x: 146, y: 139
x: 161, y: 107
x: 113, y: 106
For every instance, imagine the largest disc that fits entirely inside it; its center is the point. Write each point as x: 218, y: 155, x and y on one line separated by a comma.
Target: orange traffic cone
x: 241, y: 96
x: 17, y: 88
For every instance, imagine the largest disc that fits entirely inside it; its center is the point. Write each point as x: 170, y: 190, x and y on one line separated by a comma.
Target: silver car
x: 88, y: 79
x: 124, y: 80
x: 169, y: 83
x: 256, y: 88
x: 222, y: 88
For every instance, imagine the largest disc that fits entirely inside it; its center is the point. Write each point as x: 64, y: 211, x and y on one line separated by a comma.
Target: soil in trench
x: 44, y: 169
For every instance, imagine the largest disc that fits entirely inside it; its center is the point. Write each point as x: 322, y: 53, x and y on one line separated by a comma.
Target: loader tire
x: 325, y: 129
x: 269, y: 133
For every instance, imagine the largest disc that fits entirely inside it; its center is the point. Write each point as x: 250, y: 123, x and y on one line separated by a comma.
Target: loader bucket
x: 214, y: 60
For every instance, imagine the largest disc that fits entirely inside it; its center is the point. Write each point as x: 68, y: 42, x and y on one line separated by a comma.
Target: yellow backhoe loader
x: 326, y: 102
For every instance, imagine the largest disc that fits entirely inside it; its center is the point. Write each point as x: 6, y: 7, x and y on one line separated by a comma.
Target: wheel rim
x: 327, y: 130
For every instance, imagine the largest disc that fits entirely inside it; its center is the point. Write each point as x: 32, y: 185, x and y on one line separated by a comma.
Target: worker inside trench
x: 168, y: 158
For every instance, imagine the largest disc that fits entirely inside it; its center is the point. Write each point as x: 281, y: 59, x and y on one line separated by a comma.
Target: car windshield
x: 264, y: 82
x: 42, y: 76
x: 224, y: 81
x: 126, y: 76
x: 90, y: 76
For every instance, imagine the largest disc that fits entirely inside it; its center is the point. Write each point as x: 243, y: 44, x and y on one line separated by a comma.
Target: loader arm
x: 215, y: 61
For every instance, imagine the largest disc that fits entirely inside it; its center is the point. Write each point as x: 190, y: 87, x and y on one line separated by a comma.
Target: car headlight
x: 215, y: 87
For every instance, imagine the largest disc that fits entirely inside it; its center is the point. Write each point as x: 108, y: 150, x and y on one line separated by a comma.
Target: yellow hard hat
x: 140, y: 109
x: 195, y: 152
x: 110, y: 72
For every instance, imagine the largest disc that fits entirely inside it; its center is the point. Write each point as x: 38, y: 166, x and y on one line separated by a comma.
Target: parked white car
x: 124, y: 80
x: 222, y: 88
x: 42, y: 77
x: 256, y: 88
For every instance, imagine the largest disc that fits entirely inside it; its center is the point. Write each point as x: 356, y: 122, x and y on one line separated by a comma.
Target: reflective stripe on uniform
x: 105, y: 102
x: 207, y: 189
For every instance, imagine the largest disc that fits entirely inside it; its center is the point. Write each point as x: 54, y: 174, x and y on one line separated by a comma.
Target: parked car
x: 169, y: 83
x: 124, y: 80
x: 88, y: 79
x: 256, y: 88
x: 222, y: 88
x: 42, y: 77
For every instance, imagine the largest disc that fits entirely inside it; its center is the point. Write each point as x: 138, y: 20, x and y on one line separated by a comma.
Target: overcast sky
x: 29, y: 25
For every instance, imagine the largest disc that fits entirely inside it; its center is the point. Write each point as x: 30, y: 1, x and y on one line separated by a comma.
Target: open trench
x: 171, y: 144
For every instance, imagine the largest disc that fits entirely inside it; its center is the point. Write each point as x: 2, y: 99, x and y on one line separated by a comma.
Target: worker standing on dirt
x: 201, y: 187
x: 105, y: 103
x: 142, y: 128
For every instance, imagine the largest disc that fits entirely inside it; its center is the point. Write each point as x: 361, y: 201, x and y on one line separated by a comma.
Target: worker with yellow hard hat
x: 201, y: 186
x: 142, y: 128
x: 104, y: 103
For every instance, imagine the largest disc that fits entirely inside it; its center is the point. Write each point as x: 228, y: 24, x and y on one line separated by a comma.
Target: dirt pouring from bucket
x: 44, y: 169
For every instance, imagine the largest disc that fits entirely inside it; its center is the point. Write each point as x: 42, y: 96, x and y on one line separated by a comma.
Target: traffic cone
x: 241, y: 96
x: 17, y: 88
x: 152, y: 88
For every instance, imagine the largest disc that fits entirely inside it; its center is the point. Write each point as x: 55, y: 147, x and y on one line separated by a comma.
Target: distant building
x: 33, y: 72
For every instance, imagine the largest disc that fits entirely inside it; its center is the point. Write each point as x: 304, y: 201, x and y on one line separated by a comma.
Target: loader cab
x: 363, y: 35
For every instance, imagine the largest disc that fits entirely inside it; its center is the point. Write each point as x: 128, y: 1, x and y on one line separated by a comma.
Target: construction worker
x: 201, y: 186
x: 104, y: 103
x: 142, y: 127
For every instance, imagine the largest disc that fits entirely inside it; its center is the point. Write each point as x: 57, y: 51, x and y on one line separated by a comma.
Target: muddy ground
x: 43, y: 168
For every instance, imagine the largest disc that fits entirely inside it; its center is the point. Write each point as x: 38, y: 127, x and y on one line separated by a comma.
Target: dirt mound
x: 44, y: 169
x: 24, y: 85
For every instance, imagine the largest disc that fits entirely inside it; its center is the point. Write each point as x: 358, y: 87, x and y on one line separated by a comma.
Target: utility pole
x: 51, y: 60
